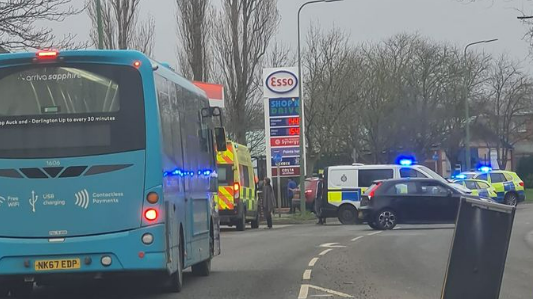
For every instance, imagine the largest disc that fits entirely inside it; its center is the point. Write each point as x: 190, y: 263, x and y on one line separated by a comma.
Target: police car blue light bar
x: 406, y: 162
x: 460, y: 176
x: 485, y: 169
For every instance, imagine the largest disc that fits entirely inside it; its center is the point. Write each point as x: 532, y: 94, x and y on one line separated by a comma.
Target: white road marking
x: 325, y: 295
x: 325, y: 252
x: 304, y: 290
x: 331, y: 245
x: 374, y: 233
x: 313, y: 262
x: 356, y: 238
x: 307, y: 274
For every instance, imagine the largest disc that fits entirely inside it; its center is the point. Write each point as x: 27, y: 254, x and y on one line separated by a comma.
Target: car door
x: 497, y: 180
x: 439, y: 202
x: 404, y: 198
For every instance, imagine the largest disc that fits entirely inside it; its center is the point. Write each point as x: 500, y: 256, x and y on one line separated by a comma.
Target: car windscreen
x: 52, y: 111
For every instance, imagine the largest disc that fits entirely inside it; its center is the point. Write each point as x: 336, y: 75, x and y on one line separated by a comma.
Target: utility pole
x: 466, y: 94
x: 303, y: 163
x: 100, y: 27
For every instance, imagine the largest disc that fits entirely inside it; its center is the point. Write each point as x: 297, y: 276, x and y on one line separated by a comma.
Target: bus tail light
x: 152, y: 197
x: 150, y: 214
x: 47, y: 54
x: 137, y: 64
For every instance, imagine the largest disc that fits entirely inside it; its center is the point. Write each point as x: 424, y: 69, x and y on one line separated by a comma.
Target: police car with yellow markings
x: 479, y: 188
x: 344, y: 185
x: 507, y: 184
x: 237, y: 199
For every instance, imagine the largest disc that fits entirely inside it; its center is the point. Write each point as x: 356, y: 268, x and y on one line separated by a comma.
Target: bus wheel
x: 241, y: 222
x: 175, y: 281
x: 255, y: 222
x: 347, y: 214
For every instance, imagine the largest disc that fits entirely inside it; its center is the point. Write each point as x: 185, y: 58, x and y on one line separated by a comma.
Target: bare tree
x: 195, y: 28
x: 330, y: 69
x: 18, y: 18
x: 121, y: 26
x: 510, y: 91
x: 244, y: 31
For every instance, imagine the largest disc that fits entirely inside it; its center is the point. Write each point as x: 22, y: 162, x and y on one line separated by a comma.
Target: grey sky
x: 454, y: 21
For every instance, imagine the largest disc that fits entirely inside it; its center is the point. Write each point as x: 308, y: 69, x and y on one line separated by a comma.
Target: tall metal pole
x: 301, y: 110
x: 466, y: 95
x: 99, y: 24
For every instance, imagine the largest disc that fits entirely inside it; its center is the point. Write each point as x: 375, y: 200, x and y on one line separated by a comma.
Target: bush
x: 528, y: 181
x: 525, y: 169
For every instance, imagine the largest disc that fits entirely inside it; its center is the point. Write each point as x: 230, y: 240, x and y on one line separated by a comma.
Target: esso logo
x: 281, y: 82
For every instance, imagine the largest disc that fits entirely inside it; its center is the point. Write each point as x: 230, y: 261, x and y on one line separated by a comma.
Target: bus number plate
x: 50, y: 265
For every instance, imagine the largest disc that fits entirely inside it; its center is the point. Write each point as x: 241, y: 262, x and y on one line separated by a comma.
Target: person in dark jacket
x: 269, y: 201
x: 319, y: 201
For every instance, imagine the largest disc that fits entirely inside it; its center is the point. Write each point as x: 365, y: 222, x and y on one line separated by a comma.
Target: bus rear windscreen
x: 50, y: 111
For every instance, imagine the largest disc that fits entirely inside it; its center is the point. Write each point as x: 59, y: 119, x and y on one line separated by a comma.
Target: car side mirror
x: 220, y: 138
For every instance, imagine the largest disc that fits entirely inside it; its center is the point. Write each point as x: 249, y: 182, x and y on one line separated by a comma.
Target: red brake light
x: 47, y: 54
x: 150, y: 214
x: 521, y: 183
x: 371, y: 193
x: 236, y: 190
x: 308, y: 191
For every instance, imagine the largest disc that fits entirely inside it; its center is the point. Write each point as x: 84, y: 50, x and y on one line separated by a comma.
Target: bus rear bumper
x: 19, y: 256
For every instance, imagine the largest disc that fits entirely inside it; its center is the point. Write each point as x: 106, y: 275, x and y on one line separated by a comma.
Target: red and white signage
x: 286, y: 171
x: 284, y: 141
x: 214, y: 92
x: 282, y: 120
x: 280, y: 82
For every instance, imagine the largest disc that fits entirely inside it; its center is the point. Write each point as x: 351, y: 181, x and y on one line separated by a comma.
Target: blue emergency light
x: 406, y: 162
x: 485, y: 169
x: 460, y: 176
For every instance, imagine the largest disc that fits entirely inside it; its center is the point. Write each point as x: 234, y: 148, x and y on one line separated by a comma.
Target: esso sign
x: 281, y: 82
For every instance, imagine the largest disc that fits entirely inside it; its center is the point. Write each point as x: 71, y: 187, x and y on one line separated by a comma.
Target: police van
x: 345, y: 184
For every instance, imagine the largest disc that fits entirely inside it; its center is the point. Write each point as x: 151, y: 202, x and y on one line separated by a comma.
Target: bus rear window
x: 52, y: 111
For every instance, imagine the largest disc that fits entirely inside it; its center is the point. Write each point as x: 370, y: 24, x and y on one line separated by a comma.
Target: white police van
x: 344, y: 185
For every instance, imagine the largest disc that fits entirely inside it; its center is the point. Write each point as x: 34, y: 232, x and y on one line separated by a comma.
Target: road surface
x: 335, y: 261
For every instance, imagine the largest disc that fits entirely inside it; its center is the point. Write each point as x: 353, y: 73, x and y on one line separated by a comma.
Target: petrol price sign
x: 285, y: 131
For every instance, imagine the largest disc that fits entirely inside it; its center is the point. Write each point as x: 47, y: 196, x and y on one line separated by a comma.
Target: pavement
x: 332, y: 261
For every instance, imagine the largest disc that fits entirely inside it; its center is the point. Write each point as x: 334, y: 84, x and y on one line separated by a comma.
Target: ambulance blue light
x: 406, y: 162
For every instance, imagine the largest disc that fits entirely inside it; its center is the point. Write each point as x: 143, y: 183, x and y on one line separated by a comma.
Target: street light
x: 301, y: 112
x: 467, y: 114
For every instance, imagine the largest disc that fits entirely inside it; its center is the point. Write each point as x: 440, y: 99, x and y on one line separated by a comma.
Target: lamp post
x: 301, y: 110
x: 467, y: 114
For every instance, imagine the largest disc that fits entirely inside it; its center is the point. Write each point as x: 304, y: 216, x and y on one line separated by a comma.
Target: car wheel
x: 241, y: 222
x: 347, y: 214
x: 386, y: 219
x: 511, y: 199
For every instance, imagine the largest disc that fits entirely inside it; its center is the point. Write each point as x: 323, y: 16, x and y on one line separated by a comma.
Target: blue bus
x: 107, y: 167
